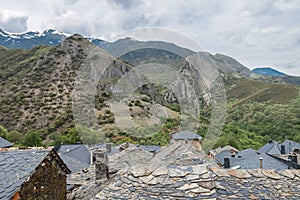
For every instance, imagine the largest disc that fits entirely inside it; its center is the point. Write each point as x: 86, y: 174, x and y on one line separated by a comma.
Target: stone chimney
x: 101, y: 168
x: 282, y: 149
x: 108, y: 147
x: 294, y: 158
x: 297, y: 153
x: 261, y: 162
x: 226, y: 163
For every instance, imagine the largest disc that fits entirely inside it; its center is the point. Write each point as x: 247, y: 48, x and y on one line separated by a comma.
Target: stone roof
x: 15, y: 167
x: 172, y: 173
x: 186, y: 135
x: 218, y: 150
x: 76, y: 157
x: 195, y: 182
x: 4, y: 143
x: 150, y: 148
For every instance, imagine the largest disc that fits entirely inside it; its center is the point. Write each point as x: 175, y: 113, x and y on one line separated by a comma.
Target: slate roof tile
x: 76, y: 157
x: 4, y: 143
x: 290, y: 145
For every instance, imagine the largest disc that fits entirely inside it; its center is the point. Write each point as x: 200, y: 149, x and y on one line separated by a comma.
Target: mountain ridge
x: 36, y: 87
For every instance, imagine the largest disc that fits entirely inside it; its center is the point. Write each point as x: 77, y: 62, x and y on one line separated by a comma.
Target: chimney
x: 126, y: 145
x: 270, y: 141
x: 282, y: 149
x: 108, y: 147
x: 226, y: 163
x: 101, y: 168
x: 260, y: 162
x: 297, y: 154
x: 294, y: 158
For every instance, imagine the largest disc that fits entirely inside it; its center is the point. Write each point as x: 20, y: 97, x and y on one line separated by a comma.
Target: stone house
x: 189, y: 137
x: 32, y: 175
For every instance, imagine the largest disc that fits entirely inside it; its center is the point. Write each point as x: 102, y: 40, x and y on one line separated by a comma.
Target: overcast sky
x: 256, y: 33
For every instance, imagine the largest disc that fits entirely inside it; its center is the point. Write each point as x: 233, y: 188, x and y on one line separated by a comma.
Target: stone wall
x: 47, y: 182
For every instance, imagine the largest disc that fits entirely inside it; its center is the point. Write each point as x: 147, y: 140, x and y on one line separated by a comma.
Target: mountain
x: 31, y: 39
x: 37, y: 92
x: 267, y: 71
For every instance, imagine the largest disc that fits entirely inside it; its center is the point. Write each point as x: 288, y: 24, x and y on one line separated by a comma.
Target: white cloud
x: 13, y: 21
x: 261, y: 32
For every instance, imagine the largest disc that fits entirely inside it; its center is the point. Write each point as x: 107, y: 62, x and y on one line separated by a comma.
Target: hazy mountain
x: 267, y: 71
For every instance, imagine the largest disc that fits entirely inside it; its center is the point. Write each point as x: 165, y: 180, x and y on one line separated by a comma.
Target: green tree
x: 14, y: 137
x: 32, y: 138
x: 71, y: 137
x: 3, y: 132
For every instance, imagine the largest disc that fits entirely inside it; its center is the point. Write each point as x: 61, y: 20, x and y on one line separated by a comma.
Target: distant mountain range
x: 51, y: 37
x: 267, y: 71
x: 31, y: 39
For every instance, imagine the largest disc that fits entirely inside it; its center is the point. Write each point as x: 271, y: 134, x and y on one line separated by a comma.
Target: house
x: 4, y: 143
x: 249, y: 159
x: 189, y: 137
x: 76, y: 156
x: 288, y: 146
x: 274, y: 148
x: 32, y: 175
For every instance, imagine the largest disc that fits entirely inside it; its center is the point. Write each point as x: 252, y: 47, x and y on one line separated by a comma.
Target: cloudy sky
x: 257, y: 33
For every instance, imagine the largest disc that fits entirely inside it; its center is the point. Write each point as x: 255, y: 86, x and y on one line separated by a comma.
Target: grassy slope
x: 258, y: 111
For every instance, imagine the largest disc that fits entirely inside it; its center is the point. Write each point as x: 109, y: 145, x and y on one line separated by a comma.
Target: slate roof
x: 219, y: 158
x: 272, y: 148
x: 290, y: 145
x: 15, y: 167
x: 4, y: 143
x: 150, y: 148
x: 249, y: 159
x: 76, y: 156
x: 186, y: 135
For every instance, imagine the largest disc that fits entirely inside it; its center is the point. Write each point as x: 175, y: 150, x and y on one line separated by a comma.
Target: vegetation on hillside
x: 36, y: 103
